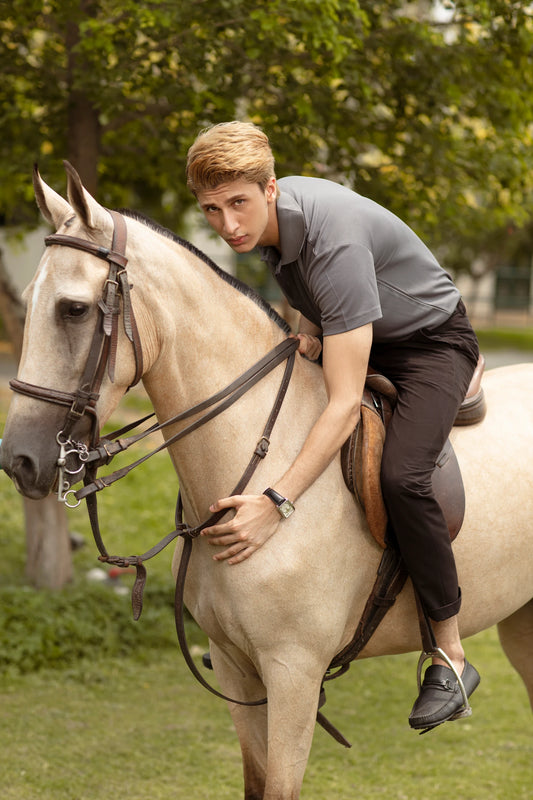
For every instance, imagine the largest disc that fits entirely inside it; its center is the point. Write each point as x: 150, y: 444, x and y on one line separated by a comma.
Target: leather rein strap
x: 115, y: 443
x: 286, y: 350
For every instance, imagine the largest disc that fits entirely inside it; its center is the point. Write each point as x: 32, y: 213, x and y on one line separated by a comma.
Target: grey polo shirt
x: 346, y: 261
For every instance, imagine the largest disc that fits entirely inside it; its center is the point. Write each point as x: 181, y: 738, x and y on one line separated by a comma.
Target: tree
x: 430, y: 117
x: 121, y: 87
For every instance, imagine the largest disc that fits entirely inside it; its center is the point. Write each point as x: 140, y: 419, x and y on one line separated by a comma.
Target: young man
x: 366, y: 283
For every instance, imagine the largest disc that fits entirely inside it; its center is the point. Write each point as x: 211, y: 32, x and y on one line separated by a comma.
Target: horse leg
x: 275, y: 738
x: 238, y: 679
x: 516, y: 637
x: 293, y: 693
x: 251, y: 727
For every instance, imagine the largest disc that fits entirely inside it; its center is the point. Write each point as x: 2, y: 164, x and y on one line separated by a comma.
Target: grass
x: 139, y: 726
x: 123, y: 728
x: 502, y: 338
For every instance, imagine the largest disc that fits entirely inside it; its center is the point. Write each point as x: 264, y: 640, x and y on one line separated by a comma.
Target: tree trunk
x: 48, y: 548
x: 84, y: 139
x: 84, y: 130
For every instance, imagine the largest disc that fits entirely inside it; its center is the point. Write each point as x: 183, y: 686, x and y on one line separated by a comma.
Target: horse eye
x: 73, y: 309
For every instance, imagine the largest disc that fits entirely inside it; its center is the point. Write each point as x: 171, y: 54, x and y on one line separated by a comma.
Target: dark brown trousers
x: 432, y: 371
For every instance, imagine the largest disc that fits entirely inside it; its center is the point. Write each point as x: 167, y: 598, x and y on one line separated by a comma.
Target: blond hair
x: 227, y: 152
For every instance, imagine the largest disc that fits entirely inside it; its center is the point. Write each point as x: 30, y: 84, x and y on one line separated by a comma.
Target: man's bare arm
x: 345, y: 361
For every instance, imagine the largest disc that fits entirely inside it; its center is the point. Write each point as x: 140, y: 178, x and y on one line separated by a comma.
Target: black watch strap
x: 276, y: 497
x: 284, y: 506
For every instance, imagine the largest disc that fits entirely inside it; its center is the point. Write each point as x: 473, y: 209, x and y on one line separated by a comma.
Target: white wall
x: 22, y: 254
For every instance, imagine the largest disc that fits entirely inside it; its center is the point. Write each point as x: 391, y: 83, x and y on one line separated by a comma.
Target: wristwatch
x: 284, y: 506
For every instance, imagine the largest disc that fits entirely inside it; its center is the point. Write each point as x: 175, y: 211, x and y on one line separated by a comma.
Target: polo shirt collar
x: 291, y: 225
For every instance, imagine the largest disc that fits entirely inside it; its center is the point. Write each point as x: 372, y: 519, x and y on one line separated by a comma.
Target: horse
x: 275, y: 621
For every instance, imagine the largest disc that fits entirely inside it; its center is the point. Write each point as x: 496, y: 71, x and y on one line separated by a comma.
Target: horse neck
x: 202, y: 331
x: 208, y: 333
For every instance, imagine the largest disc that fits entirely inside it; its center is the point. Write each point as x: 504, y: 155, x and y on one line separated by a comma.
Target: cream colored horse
x: 276, y: 620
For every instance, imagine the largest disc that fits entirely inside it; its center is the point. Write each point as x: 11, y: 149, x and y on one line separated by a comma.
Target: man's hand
x: 255, y: 520
x: 310, y: 346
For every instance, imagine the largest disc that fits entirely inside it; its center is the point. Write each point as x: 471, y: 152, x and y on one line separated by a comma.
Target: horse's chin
x: 31, y: 492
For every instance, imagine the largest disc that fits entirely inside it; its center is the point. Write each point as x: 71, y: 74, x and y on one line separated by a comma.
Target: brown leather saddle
x: 361, y: 454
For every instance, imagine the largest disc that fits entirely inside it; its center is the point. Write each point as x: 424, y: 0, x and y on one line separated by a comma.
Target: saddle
x: 361, y: 454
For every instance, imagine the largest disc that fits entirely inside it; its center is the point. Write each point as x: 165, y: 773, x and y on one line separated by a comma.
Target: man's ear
x: 272, y: 191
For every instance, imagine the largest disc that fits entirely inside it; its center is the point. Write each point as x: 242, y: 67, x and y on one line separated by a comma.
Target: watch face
x: 286, y: 508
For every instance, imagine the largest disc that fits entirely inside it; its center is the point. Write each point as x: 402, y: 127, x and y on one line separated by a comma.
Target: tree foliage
x: 429, y: 116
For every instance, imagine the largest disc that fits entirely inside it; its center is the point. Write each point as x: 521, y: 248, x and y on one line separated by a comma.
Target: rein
x: 102, y: 355
x: 107, y: 448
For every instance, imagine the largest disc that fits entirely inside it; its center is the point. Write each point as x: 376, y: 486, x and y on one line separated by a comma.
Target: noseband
x: 102, y: 351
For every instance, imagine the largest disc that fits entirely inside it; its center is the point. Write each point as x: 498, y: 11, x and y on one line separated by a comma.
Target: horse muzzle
x: 36, y: 460
x: 26, y: 473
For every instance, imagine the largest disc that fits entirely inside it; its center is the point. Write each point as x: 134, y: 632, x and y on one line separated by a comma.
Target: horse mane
x: 242, y: 287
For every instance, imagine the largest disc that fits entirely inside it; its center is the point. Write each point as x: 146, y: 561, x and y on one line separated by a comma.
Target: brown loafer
x: 440, y: 698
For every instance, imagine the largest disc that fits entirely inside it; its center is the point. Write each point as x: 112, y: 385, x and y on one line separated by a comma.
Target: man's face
x: 242, y: 213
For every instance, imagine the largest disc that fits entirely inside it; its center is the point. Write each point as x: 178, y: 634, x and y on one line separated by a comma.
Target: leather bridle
x: 102, y: 355
x: 102, y: 352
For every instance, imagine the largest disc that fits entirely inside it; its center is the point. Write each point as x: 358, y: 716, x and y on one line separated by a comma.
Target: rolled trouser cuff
x: 447, y: 611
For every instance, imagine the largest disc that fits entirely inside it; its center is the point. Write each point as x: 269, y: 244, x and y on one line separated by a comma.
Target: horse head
x: 70, y: 378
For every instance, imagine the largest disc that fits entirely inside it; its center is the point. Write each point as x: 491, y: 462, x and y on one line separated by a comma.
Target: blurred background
x: 423, y: 106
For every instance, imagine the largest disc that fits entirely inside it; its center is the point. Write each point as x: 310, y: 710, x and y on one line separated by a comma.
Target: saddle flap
x: 361, y: 463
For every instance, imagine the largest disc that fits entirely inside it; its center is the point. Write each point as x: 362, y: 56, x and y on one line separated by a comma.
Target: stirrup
x: 466, y: 710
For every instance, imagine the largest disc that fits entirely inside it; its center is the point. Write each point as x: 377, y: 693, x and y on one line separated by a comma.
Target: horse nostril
x: 23, y: 471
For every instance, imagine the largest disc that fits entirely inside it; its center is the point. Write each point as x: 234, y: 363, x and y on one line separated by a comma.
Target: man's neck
x: 270, y: 236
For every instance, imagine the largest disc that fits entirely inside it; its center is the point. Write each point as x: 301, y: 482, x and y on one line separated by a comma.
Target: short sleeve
x: 342, y: 281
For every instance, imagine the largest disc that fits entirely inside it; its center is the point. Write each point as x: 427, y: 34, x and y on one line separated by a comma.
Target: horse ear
x: 91, y: 213
x: 51, y: 205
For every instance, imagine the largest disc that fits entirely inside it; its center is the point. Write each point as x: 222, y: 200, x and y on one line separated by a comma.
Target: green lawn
x: 143, y: 729
x: 501, y: 338
x: 120, y: 715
